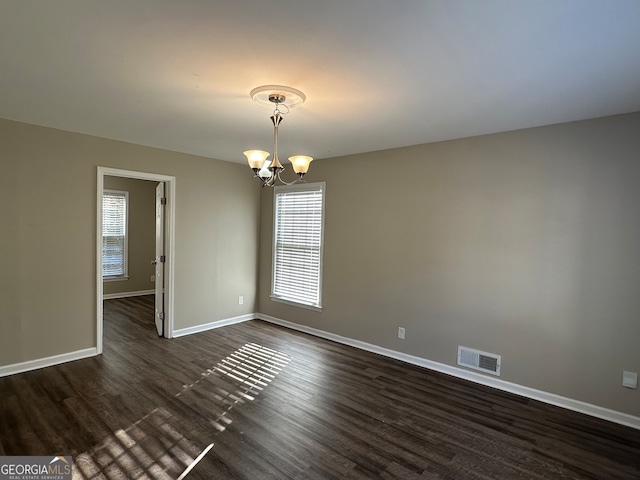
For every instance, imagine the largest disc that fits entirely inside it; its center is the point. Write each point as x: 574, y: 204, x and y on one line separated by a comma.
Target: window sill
x: 115, y: 279
x: 296, y: 304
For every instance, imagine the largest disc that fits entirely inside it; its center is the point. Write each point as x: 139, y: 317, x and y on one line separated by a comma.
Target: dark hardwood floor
x: 278, y: 404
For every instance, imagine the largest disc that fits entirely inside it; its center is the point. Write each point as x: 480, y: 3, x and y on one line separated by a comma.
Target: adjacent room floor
x: 257, y: 401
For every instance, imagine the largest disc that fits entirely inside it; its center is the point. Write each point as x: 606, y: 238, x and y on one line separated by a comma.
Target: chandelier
x: 268, y: 171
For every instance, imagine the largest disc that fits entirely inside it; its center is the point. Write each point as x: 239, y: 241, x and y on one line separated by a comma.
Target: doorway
x: 165, y: 235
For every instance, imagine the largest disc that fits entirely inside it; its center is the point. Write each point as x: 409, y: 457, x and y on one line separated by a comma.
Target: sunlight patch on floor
x: 250, y: 368
x: 154, y: 447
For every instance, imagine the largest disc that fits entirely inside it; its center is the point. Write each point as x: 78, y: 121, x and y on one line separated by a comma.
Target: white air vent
x: 483, y: 361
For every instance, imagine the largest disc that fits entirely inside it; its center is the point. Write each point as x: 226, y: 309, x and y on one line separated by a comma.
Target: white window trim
x: 297, y: 188
x: 125, y: 274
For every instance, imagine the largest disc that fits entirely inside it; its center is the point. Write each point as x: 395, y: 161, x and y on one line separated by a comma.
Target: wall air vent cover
x: 482, y: 361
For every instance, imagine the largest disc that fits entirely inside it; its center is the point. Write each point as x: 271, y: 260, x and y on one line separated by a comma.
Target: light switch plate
x: 630, y: 379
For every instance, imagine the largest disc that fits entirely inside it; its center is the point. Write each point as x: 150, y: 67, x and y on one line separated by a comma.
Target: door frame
x: 169, y: 244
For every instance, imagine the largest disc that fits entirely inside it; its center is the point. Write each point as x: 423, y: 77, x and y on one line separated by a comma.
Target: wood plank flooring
x: 278, y: 404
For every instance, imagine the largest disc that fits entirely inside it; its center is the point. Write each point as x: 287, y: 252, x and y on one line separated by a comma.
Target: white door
x: 160, y: 258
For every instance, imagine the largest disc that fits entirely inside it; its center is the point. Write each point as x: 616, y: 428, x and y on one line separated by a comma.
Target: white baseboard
x: 210, y: 326
x: 47, y: 362
x: 139, y: 293
x: 546, y: 397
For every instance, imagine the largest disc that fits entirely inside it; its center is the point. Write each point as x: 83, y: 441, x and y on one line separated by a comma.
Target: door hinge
x: 163, y: 259
x: 161, y: 315
x: 163, y: 201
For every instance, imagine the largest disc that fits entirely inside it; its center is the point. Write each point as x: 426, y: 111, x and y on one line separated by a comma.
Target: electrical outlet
x: 240, y: 300
x: 401, y: 333
x: 153, y: 278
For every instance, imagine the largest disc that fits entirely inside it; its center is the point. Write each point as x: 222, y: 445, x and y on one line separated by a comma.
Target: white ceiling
x: 378, y: 74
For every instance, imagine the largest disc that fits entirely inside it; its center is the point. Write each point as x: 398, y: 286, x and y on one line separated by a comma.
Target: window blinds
x: 298, y: 231
x: 114, y: 234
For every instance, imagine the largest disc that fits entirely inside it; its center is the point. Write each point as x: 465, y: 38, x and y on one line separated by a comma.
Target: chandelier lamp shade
x: 268, y: 171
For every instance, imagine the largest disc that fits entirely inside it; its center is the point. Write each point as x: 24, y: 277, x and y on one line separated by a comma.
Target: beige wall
x: 524, y: 244
x: 48, y: 274
x: 142, y: 234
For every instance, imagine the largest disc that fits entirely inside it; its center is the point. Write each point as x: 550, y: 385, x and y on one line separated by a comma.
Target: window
x: 297, y: 244
x: 114, y: 234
